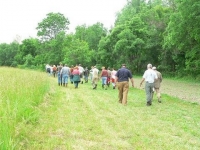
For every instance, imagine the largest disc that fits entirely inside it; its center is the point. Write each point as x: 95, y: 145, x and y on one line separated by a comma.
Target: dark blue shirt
x: 123, y: 74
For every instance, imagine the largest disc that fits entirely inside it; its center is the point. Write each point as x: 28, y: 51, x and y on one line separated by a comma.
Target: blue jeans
x: 65, y: 78
x: 59, y: 78
x: 104, y: 80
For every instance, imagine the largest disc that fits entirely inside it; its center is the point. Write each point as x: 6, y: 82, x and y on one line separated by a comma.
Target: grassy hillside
x: 83, y: 118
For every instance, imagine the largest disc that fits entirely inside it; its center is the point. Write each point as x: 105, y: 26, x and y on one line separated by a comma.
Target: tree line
x: 162, y: 32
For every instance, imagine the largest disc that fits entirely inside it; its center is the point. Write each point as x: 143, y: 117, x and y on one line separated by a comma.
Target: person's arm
x: 142, y: 81
x: 132, y: 81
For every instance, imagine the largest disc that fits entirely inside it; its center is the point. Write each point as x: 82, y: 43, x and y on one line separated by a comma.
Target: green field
x: 38, y: 114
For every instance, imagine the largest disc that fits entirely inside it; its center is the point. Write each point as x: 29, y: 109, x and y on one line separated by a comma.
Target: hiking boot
x: 148, y: 103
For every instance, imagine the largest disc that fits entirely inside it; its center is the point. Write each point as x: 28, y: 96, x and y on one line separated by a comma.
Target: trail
x: 92, y: 119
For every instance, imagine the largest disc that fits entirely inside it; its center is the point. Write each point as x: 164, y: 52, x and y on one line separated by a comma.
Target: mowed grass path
x: 87, y: 119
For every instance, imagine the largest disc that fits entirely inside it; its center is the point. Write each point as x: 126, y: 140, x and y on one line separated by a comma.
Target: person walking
x: 86, y: 74
x: 65, y: 72
x: 109, y: 76
x: 48, y: 69
x: 91, y: 72
x: 54, y: 70
x: 157, y: 84
x: 104, y: 76
x: 95, y: 77
x: 113, y: 73
x: 149, y: 76
x: 76, y: 77
x: 122, y: 81
x: 81, y: 70
x: 71, y: 75
x: 59, y: 75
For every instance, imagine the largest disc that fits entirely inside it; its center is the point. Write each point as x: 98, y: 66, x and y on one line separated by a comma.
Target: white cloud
x: 20, y: 17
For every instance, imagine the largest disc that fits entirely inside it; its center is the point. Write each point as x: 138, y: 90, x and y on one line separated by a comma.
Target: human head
x: 76, y: 67
x: 123, y: 65
x: 149, y: 66
x: 154, y: 68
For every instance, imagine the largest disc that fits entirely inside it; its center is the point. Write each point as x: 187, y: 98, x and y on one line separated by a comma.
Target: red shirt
x: 104, y: 73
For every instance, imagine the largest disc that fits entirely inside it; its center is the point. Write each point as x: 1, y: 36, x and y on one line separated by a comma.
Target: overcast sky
x: 21, y: 17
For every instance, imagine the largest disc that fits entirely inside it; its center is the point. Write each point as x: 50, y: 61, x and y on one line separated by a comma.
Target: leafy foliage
x: 162, y: 32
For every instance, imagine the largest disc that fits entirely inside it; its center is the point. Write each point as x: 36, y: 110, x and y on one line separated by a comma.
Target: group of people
x: 151, y: 76
x: 120, y: 79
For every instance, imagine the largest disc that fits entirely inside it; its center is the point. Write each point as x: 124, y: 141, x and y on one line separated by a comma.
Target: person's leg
x: 105, y: 82
x: 75, y: 84
x: 66, y: 80
x: 93, y: 83
x: 102, y: 81
x: 96, y: 82
x: 113, y: 83
x: 120, y: 89
x: 125, y: 92
x: 148, y: 93
x: 151, y: 92
x: 59, y: 79
x: 63, y: 80
x: 158, y: 94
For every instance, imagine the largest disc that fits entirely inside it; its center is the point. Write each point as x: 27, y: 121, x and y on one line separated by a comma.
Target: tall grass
x: 21, y: 91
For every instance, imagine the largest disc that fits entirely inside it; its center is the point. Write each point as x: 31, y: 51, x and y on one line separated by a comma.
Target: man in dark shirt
x: 122, y: 81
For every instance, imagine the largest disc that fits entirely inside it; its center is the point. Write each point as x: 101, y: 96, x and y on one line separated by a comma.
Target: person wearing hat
x: 122, y: 81
x: 157, y: 84
x: 149, y: 76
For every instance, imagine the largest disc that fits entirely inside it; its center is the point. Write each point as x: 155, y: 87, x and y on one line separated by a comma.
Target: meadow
x: 36, y: 113
x: 21, y: 92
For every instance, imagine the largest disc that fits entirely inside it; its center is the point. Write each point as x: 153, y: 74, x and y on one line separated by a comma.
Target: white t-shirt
x: 95, y: 72
x: 81, y: 69
x: 150, y: 76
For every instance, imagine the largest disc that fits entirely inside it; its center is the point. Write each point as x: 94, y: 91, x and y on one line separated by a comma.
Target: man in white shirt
x: 149, y: 76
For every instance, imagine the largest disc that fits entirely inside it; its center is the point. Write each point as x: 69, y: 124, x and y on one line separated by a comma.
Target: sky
x: 19, y: 18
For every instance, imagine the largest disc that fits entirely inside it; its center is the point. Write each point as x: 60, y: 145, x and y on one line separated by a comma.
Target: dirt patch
x: 180, y: 89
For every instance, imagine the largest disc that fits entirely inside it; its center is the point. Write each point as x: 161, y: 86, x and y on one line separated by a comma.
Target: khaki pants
x: 123, y: 88
x: 94, y: 81
x: 158, y: 93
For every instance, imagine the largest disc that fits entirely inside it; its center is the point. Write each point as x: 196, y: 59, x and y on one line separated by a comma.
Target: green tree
x: 183, y: 37
x: 8, y: 53
x: 52, y: 25
x: 28, y: 47
x: 92, y: 35
x: 77, y: 51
